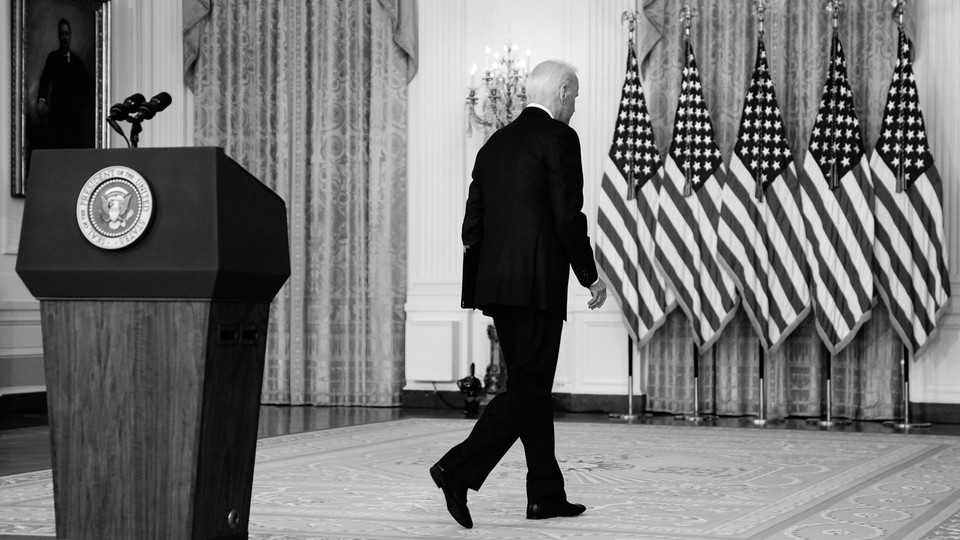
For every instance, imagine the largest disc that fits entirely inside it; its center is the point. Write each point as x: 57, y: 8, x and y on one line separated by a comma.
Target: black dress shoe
x: 552, y: 510
x: 455, y: 492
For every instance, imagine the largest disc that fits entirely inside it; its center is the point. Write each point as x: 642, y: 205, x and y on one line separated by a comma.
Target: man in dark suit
x: 63, y: 96
x: 524, y: 229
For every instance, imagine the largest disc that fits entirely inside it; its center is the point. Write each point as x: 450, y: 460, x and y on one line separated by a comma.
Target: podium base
x: 153, y: 406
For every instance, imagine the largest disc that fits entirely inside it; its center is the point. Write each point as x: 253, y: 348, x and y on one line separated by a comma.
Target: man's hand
x: 42, y: 108
x: 598, y: 294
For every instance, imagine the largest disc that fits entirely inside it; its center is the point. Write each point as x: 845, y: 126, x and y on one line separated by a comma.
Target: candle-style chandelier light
x: 502, y: 93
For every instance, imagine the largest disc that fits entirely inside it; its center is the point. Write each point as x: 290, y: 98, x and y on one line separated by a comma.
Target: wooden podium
x: 153, y: 351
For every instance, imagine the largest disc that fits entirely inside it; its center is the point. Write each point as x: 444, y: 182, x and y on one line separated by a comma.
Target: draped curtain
x: 866, y: 375
x: 310, y: 97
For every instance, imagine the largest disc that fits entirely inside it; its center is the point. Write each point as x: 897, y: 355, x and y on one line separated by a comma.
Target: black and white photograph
x: 484, y: 269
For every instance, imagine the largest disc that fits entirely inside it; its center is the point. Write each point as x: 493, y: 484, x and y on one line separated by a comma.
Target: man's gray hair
x: 547, y: 78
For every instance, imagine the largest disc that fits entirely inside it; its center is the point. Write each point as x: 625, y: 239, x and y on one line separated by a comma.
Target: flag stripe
x: 625, y: 221
x: 790, y: 233
x: 684, y: 254
x: 888, y: 212
x: 625, y: 246
x: 785, y: 229
x: 842, y: 302
x: 686, y: 233
x: 911, y: 270
x: 840, y: 233
x: 608, y: 269
x: 744, y: 248
x: 910, y: 287
x: 928, y: 226
x: 754, y: 247
x: 838, y: 199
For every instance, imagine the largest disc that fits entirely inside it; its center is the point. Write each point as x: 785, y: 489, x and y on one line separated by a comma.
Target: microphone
x: 156, y: 104
x: 120, y: 111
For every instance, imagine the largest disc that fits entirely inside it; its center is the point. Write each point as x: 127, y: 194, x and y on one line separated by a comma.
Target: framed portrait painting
x: 60, y: 75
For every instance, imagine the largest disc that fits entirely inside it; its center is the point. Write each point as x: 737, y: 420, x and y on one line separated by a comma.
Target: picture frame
x: 71, y: 111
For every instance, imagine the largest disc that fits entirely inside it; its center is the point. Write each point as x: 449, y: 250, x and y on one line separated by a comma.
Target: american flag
x: 762, y: 240
x: 689, y: 212
x: 910, y: 264
x: 837, y: 195
x: 626, y: 218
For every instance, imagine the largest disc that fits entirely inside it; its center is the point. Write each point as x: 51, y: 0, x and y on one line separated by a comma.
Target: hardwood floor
x: 24, y: 449
x: 25, y: 438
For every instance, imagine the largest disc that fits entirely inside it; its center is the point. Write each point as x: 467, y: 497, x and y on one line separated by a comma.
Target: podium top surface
x: 208, y: 230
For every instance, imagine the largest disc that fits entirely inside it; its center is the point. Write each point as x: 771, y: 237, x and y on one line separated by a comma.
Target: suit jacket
x: 524, y: 216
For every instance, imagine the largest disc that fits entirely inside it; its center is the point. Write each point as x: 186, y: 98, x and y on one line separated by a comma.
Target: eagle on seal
x: 114, y: 207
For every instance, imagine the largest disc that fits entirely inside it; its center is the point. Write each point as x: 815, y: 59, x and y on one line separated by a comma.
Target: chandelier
x: 502, y: 94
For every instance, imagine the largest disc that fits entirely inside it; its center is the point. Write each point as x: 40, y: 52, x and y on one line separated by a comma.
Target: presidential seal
x: 114, y: 207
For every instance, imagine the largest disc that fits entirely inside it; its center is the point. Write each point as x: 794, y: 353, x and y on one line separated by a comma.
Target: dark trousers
x: 530, y: 340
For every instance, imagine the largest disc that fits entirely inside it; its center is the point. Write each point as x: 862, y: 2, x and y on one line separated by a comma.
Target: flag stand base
x: 828, y: 421
x: 906, y: 426
x: 762, y: 419
x: 695, y: 416
x: 905, y: 377
x: 629, y: 415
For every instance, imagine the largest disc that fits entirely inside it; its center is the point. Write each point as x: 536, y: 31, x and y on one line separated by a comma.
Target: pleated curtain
x: 310, y: 97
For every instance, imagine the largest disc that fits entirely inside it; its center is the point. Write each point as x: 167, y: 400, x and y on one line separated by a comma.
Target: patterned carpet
x: 638, y: 482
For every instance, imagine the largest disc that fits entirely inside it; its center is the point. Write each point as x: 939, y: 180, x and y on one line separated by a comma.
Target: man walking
x: 524, y: 229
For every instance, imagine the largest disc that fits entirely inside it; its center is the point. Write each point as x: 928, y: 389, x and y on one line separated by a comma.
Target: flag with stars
x: 626, y: 217
x: 762, y: 240
x: 689, y: 212
x: 837, y: 200
x: 910, y: 264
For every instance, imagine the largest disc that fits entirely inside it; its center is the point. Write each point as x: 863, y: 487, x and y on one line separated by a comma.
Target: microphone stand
x: 135, y: 129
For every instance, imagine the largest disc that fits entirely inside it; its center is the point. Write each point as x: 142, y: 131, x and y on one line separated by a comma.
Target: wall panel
x: 935, y: 377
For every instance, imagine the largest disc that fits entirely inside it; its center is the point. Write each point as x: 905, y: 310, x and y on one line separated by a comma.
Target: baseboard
x: 428, y: 399
x: 936, y: 413
x: 35, y: 404
x: 23, y: 410
x: 592, y: 403
x: 598, y: 403
x: 29, y: 402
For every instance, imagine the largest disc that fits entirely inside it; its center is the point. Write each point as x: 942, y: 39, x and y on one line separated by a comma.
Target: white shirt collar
x: 539, y: 106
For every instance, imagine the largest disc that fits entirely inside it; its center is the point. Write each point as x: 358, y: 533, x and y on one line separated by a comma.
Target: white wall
x: 19, y: 319
x: 935, y: 377
x: 146, y: 57
x: 442, y: 339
